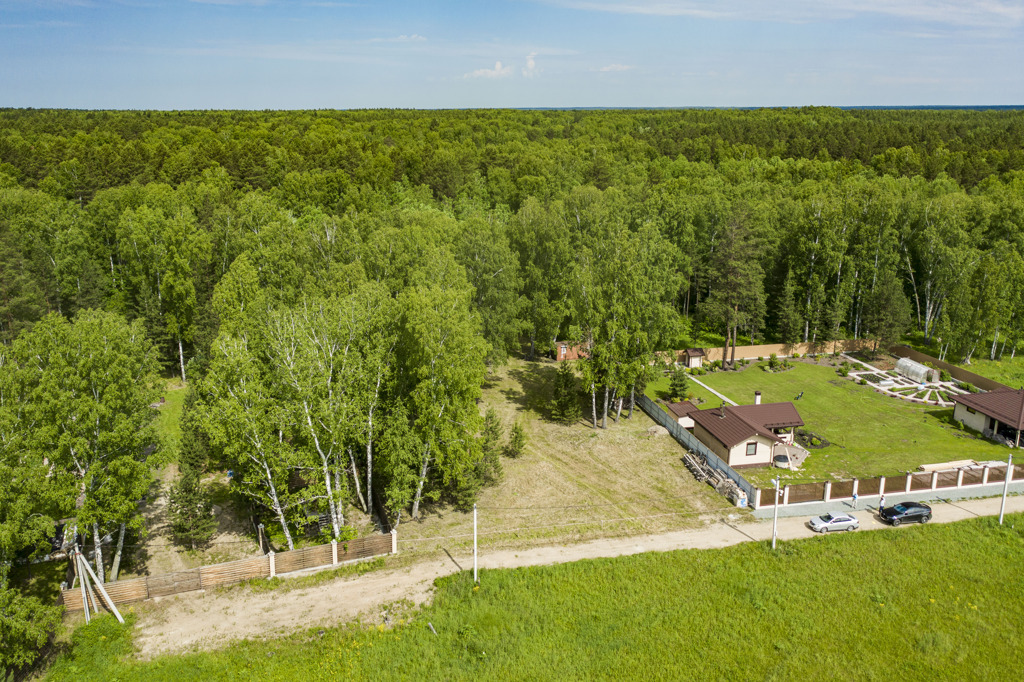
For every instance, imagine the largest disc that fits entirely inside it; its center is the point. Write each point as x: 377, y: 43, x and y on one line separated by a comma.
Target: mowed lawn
x: 871, y: 434
x: 932, y: 602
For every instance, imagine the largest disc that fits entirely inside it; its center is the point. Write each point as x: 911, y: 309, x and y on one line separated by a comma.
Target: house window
x: 751, y: 449
x: 971, y: 410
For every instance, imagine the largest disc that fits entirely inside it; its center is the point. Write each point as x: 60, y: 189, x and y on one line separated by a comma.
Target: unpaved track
x: 212, y: 620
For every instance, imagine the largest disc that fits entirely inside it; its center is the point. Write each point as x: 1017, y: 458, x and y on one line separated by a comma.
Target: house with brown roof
x: 997, y: 414
x: 681, y: 411
x: 569, y: 351
x: 746, y: 435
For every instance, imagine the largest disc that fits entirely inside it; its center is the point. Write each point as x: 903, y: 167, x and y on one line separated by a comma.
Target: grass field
x: 572, y: 482
x: 871, y: 434
x: 931, y: 602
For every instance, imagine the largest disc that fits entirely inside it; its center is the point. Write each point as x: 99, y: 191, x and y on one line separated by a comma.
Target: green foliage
x: 191, y: 510
x: 944, y: 375
x: 516, y: 441
x: 26, y: 623
x: 679, y: 387
x: 565, y: 402
x: 99, y: 650
x: 489, y: 467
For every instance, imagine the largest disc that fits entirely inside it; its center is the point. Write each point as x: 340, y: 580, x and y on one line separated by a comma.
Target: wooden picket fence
x: 914, y: 481
x: 216, y: 575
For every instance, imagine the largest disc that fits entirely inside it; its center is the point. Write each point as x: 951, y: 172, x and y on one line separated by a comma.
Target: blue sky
x: 256, y: 54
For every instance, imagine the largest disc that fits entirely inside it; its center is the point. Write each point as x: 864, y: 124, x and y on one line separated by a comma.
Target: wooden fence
x: 215, y: 575
x: 780, y: 349
x: 915, y: 481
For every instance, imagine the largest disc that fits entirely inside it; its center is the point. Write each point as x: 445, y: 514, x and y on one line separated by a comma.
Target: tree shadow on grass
x: 536, y: 385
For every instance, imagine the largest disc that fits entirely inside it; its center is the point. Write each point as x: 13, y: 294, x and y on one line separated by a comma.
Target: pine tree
x: 490, y: 464
x: 679, y: 388
x: 516, y: 441
x: 565, y: 406
x: 192, y: 521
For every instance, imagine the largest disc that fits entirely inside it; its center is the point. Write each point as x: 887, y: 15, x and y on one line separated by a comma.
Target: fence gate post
x: 960, y: 478
x: 856, y: 488
x: 935, y: 480
x: 828, y: 491
x: 394, y: 541
x: 984, y: 476
x: 785, y: 496
x: 334, y: 552
x: 273, y: 567
x: 757, y: 498
x: 881, y: 485
x: 910, y: 478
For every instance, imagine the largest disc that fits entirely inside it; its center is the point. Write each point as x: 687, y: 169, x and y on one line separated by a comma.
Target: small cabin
x: 692, y: 358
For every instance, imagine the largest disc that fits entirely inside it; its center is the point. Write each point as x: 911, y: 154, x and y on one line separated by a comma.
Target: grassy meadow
x: 932, y: 602
x: 870, y: 434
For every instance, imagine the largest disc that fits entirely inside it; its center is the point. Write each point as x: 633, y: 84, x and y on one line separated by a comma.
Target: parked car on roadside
x: 906, y: 512
x: 836, y: 521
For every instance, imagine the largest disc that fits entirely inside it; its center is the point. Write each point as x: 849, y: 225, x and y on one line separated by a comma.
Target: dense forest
x: 332, y: 286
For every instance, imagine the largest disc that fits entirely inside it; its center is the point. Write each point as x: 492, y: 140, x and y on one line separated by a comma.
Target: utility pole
x: 1006, y: 484
x: 775, y: 521
x: 476, y: 581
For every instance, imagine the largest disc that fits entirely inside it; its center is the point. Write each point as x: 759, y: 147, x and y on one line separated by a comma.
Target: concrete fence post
x: 960, y: 478
x: 910, y: 478
x: 394, y: 541
x: 984, y: 476
x: 881, y: 485
x: 1009, y: 473
x: 785, y: 495
x: 757, y: 498
x: 828, y: 491
x: 273, y: 566
x: 334, y: 552
x: 856, y: 488
x: 935, y: 480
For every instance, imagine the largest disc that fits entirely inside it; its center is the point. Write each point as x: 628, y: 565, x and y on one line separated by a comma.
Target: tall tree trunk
x: 604, y: 412
x: 181, y: 359
x: 593, y: 402
x: 995, y: 339
x: 276, y: 506
x: 732, y: 360
x: 419, y: 487
x: 99, y: 552
x: 116, y: 568
x: 618, y: 412
x: 355, y: 477
x: 632, y: 401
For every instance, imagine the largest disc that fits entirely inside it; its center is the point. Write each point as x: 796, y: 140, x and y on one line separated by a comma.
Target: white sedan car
x: 835, y: 521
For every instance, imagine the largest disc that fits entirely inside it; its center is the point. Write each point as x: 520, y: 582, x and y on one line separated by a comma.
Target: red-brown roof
x: 682, y: 409
x: 694, y: 352
x: 741, y: 422
x: 1006, y: 405
x: 771, y: 415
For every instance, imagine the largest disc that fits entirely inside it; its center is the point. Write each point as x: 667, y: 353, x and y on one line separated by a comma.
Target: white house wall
x: 738, y: 455
x: 976, y: 421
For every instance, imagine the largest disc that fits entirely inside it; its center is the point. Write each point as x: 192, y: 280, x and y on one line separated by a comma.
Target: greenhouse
x: 915, y: 371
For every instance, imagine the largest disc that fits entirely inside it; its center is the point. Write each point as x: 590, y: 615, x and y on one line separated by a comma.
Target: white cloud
x: 498, y: 71
x: 531, y: 65
x: 615, y: 67
x: 996, y: 13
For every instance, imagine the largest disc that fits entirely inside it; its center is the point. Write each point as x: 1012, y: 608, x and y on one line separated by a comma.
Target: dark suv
x: 905, y: 512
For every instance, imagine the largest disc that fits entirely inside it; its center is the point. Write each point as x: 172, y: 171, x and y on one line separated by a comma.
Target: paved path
x: 214, y: 619
x: 701, y: 383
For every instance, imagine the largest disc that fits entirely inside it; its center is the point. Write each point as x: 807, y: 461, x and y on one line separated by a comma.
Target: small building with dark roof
x: 692, y: 357
x: 997, y: 414
x: 682, y: 411
x: 746, y: 435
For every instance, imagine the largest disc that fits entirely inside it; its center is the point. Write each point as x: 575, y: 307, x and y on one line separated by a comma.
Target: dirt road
x: 211, y: 620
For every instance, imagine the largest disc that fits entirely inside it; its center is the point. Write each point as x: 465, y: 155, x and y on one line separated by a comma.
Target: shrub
x: 773, y: 362
x: 679, y: 386
x: 759, y: 358
x: 815, y: 441
x: 863, y: 382
x: 565, y: 407
x: 516, y: 441
x: 844, y: 371
x: 796, y: 355
x: 944, y: 375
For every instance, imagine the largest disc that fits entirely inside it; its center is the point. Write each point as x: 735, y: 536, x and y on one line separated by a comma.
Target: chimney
x: 757, y: 397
